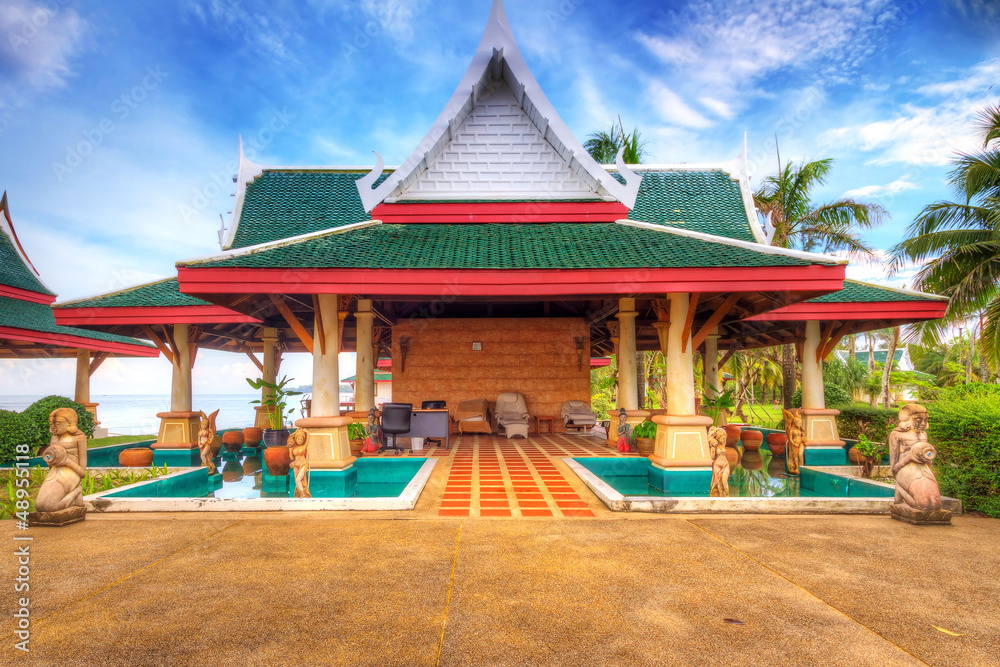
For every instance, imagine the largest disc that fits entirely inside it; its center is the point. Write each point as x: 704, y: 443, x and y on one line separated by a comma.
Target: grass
x: 117, y: 440
x: 764, y: 416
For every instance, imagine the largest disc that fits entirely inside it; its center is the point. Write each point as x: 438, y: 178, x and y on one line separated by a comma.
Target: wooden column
x: 713, y: 379
x: 82, y: 393
x: 820, y: 423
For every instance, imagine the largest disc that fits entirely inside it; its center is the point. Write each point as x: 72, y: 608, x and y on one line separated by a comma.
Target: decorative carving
x: 796, y: 445
x: 720, y: 462
x: 60, y: 498
x: 299, y: 456
x: 206, y: 434
x: 614, y: 328
x: 918, y: 497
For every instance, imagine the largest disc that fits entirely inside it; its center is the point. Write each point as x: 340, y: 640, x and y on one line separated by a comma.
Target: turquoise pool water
x: 759, y: 475
x: 245, y: 477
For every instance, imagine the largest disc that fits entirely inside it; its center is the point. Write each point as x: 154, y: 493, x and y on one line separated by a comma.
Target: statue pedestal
x: 63, y: 517
x: 905, y: 513
x: 632, y: 417
x: 682, y: 442
x: 328, y: 446
x: 177, y: 442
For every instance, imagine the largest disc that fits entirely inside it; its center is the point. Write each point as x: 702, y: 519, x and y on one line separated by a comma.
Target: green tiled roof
x: 39, y: 317
x: 279, y: 204
x: 862, y: 355
x: 858, y: 292
x: 503, y: 246
x: 161, y: 293
x: 13, y: 271
x: 380, y: 376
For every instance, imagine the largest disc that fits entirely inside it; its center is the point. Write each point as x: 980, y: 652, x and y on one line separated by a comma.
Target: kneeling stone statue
x: 60, y: 498
x: 918, y: 497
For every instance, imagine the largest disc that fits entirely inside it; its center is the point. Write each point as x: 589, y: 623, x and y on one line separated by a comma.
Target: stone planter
x: 645, y: 445
x: 277, y: 460
x: 751, y: 440
x: 732, y: 435
x: 356, y: 446
x: 276, y: 437
x: 232, y: 441
x: 776, y: 443
x: 138, y: 457
x: 252, y: 436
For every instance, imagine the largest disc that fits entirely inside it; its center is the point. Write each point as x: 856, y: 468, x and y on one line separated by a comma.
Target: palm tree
x: 798, y: 223
x: 604, y: 146
x: 958, y: 242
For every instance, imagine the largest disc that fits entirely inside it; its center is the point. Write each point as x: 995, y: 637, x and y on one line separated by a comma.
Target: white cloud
x: 976, y: 81
x: 263, y: 28
x: 40, y: 40
x: 396, y: 17
x: 881, y: 191
x: 718, y: 107
x: 672, y: 108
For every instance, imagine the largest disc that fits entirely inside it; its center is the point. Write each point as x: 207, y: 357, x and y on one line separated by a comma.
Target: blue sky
x: 119, y: 121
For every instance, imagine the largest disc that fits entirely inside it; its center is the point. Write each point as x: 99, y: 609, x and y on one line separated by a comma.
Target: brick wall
x: 534, y: 357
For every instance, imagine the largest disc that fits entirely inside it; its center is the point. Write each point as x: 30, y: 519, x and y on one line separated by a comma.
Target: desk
x: 430, y: 424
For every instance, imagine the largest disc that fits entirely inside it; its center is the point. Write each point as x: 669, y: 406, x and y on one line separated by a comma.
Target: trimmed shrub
x: 12, y: 433
x: 965, y: 429
x: 874, y: 423
x: 833, y: 395
x: 35, y: 420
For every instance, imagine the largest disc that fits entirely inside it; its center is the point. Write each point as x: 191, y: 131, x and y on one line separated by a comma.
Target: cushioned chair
x: 511, y: 414
x: 578, y: 415
x: 434, y: 405
x: 395, y: 420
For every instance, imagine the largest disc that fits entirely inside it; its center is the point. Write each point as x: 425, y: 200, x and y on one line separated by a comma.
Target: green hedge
x: 833, y: 395
x: 965, y: 429
x: 31, y: 427
x: 857, y: 420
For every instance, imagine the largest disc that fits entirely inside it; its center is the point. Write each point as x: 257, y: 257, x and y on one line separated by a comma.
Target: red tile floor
x: 493, y: 476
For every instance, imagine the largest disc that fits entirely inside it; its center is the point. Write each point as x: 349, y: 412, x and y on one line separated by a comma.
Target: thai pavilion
x: 499, y: 256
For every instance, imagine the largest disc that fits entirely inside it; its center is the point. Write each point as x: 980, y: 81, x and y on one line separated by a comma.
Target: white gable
x: 445, y: 155
x: 498, y: 152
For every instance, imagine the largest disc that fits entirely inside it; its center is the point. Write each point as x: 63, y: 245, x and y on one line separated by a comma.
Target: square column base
x: 328, y: 446
x: 261, y: 420
x: 682, y: 442
x: 681, y: 481
x: 824, y: 456
x: 329, y: 483
x: 820, y: 426
x: 178, y: 430
x: 177, y: 458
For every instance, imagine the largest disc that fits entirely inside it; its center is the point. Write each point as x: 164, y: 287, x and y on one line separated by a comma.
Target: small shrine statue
x: 720, y: 462
x: 300, y: 462
x: 918, y: 497
x: 205, y: 436
x: 624, y: 432
x: 371, y: 444
x: 795, y: 455
x: 60, y: 498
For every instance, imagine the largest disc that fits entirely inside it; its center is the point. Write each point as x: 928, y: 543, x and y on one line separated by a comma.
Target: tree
x: 798, y: 223
x: 604, y: 146
x: 890, y: 358
x: 958, y: 242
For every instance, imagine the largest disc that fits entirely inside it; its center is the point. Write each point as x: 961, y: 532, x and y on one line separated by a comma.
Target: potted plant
x: 716, y: 406
x: 869, y: 454
x: 645, y: 437
x: 356, y: 433
x: 275, y: 401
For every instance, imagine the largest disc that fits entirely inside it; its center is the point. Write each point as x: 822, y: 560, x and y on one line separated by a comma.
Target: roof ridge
x: 102, y: 295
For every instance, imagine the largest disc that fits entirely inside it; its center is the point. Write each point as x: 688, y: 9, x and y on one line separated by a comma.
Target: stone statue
x: 205, y: 436
x: 796, y: 446
x: 60, y: 498
x: 624, y: 433
x: 371, y: 444
x: 918, y: 497
x: 300, y: 462
x: 720, y: 462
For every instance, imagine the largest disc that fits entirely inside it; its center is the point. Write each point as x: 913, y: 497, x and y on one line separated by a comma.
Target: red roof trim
x: 25, y: 295
x: 552, y: 282
x: 503, y: 212
x: 149, y: 315
x: 69, y: 340
x: 869, y: 310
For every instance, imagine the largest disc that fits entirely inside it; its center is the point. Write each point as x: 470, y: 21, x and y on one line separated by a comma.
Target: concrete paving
x: 419, y: 589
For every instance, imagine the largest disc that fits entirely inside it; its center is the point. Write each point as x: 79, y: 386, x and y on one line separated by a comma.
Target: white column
x: 713, y: 379
x: 680, y: 364
x: 812, y: 369
x: 82, y: 394
x: 364, y: 387
x: 326, y: 372
x: 180, y: 384
x: 270, y: 374
x: 627, y: 382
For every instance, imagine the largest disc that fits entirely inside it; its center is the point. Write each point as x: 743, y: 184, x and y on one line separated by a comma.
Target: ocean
x: 136, y: 414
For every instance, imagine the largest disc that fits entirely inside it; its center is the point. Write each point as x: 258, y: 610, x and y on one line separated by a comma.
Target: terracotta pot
x: 277, y: 460
x: 356, y: 446
x: 751, y: 440
x: 645, y: 445
x: 216, y: 445
x: 251, y: 465
x: 276, y: 437
x: 138, y: 457
x: 776, y: 443
x: 752, y: 460
x: 252, y: 436
x: 855, y: 456
x: 232, y: 471
x: 733, y: 455
x: 233, y: 441
x: 732, y: 435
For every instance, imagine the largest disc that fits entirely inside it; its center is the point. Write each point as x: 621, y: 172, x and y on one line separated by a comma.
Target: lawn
x: 118, y: 439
